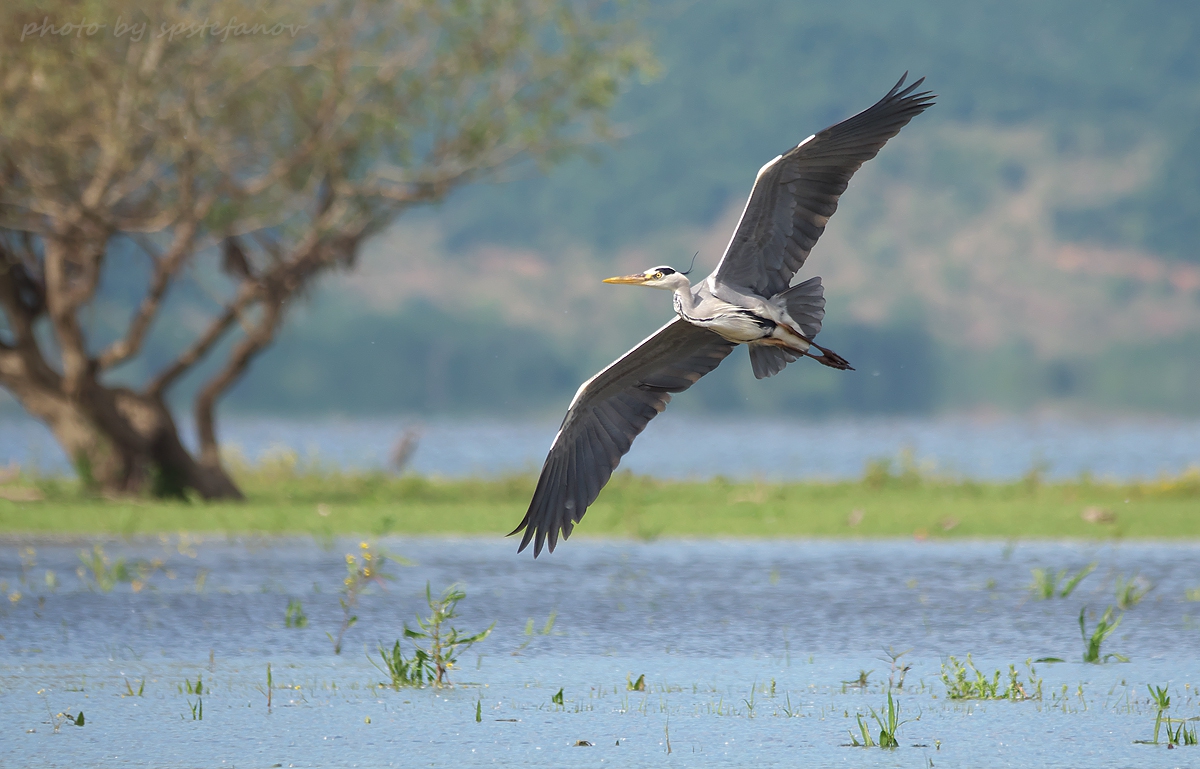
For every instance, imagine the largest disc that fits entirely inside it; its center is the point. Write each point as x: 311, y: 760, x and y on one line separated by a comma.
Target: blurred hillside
x: 1030, y: 242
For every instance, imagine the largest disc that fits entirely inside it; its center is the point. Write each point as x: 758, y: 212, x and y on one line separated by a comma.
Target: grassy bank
x: 284, y: 497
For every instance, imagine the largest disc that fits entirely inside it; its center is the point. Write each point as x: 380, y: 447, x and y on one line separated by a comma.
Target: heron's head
x: 655, y: 277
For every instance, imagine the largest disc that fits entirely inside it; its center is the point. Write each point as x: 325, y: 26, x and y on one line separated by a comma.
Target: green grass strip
x: 286, y: 499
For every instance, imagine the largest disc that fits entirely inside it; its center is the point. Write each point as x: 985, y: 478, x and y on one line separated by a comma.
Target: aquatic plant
x: 401, y: 671
x: 1105, y: 627
x: 1061, y: 583
x: 58, y: 719
x: 635, y: 686
x: 892, y: 657
x: 294, y: 616
x: 531, y: 631
x: 192, y: 688
x: 361, y: 571
x: 557, y: 699
x: 1158, y: 695
x: 98, y: 571
x: 1130, y: 592
x: 889, y: 724
x: 431, y: 662
x: 966, y: 682
x: 1181, y: 735
x: 858, y: 683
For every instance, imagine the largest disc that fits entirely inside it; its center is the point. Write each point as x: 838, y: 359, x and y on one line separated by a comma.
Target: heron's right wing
x: 607, y: 413
x: 796, y: 193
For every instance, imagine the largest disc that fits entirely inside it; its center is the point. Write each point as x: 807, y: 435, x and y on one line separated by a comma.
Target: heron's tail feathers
x: 805, y: 303
x: 769, y: 361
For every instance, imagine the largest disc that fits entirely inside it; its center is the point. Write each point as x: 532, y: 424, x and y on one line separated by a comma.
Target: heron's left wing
x: 796, y: 193
x: 607, y: 413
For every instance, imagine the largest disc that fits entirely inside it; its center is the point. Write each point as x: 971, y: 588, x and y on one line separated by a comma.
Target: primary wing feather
x: 607, y: 413
x: 794, y: 196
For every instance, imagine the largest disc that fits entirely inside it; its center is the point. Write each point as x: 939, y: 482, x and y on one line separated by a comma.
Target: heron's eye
x: 658, y: 276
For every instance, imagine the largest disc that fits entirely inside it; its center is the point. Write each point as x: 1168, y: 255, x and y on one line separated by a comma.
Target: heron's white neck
x: 682, y: 287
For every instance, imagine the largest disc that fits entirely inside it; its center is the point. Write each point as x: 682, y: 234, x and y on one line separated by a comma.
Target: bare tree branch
x: 165, y: 268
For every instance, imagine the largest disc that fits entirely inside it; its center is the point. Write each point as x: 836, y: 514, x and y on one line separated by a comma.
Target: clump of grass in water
x: 431, y: 663
x: 635, y: 686
x: 1105, y: 627
x: 1182, y: 735
x: 1130, y: 592
x: 401, y: 671
x: 1046, y: 585
x: 197, y: 689
x: 361, y: 571
x: 892, y: 657
x: 530, y: 631
x: 295, y: 616
x: 889, y: 724
x: 966, y: 682
x: 1158, y: 694
x: 97, y: 570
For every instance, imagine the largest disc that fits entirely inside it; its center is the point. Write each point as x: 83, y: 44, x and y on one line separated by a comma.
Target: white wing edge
x: 712, y: 286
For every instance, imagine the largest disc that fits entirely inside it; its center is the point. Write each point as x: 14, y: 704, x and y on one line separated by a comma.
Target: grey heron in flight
x: 747, y: 300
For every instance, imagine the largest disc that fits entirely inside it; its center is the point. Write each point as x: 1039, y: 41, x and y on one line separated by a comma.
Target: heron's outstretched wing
x: 607, y: 413
x: 796, y: 193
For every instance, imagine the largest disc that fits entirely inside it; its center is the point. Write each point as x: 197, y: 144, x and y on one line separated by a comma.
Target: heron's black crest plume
x: 692, y: 265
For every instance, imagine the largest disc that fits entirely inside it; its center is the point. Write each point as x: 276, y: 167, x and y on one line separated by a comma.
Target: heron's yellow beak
x: 635, y: 280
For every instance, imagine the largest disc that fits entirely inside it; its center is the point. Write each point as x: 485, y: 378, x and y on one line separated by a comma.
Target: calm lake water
x: 750, y: 651
x: 774, y: 449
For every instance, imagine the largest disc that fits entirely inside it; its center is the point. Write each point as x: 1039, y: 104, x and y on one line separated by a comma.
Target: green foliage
x: 401, y: 671
x: 966, y: 682
x: 99, y: 572
x: 295, y: 616
x: 368, y: 567
x: 1158, y: 694
x: 1182, y: 734
x: 636, y: 686
x: 889, y: 724
x: 1061, y: 583
x: 1131, y: 591
x: 442, y: 645
x: 1105, y: 627
x: 436, y: 644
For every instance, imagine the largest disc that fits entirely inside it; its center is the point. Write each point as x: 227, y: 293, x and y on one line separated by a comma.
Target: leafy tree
x: 257, y: 147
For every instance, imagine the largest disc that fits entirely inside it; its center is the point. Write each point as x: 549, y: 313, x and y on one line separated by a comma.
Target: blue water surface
x: 750, y: 650
x: 771, y: 449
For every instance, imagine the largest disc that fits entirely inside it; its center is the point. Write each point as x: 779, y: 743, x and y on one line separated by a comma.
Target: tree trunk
x: 121, y: 442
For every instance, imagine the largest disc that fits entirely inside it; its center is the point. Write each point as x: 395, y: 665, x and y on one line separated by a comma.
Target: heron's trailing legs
x: 829, y: 358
